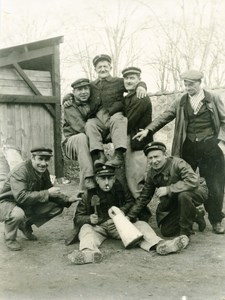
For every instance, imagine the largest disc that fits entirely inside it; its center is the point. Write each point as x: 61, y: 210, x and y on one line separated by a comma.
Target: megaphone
x: 129, y: 234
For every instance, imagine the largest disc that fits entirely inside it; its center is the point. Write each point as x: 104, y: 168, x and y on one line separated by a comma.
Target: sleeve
x: 144, y: 198
x: 82, y: 215
x: 219, y: 102
x: 19, y: 182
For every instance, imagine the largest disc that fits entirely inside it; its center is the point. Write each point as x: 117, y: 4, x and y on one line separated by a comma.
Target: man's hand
x: 68, y: 100
x: 141, y: 92
x: 162, y: 191
x: 54, y: 192
x: 141, y: 134
x: 94, y: 219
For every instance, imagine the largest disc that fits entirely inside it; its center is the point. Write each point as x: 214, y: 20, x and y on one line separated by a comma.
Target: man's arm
x: 83, y: 212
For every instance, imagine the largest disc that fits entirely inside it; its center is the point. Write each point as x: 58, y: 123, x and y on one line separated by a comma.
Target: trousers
x: 99, y: 127
x: 91, y: 237
x: 77, y: 148
x: 208, y: 157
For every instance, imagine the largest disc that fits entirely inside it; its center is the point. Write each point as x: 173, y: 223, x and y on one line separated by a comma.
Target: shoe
x: 28, y: 232
x: 100, y: 160
x: 199, y: 219
x: 78, y: 257
x: 218, y: 228
x: 172, y: 246
x: 118, y: 159
x: 89, y: 183
x: 13, y: 245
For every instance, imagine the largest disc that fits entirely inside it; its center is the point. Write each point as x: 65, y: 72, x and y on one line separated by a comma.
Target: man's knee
x: 184, y: 197
x: 79, y: 138
x: 17, y: 214
x: 118, y: 117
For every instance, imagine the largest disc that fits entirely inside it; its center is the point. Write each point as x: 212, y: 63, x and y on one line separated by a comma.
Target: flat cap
x: 192, y: 75
x: 80, y: 82
x: 41, y: 151
x: 131, y: 70
x: 154, y: 146
x: 101, y: 57
x: 104, y: 170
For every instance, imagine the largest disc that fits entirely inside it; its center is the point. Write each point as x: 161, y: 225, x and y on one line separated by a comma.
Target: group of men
x: 97, y: 112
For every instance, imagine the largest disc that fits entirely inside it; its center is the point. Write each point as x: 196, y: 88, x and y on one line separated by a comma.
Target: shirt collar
x: 199, y: 95
x: 164, y: 170
x: 109, y: 78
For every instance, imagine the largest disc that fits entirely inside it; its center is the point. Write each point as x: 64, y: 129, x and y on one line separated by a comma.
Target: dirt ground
x: 41, y: 271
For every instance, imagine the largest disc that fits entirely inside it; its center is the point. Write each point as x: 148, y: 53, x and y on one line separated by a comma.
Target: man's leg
x: 12, y: 222
x: 91, y: 237
x: 77, y: 147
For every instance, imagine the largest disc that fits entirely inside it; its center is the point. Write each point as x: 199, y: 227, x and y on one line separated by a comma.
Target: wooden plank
x: 15, y: 57
x: 34, y: 75
x: 20, y: 83
x: 33, y: 99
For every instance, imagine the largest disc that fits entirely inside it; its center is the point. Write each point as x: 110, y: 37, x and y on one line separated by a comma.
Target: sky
x: 23, y: 21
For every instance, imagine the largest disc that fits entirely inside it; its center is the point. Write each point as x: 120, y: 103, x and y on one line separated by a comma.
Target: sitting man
x: 28, y: 197
x: 95, y: 225
x: 75, y: 144
x: 180, y: 191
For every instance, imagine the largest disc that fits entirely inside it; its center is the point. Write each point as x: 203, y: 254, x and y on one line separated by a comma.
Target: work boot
x: 218, y: 228
x: 118, y: 159
x: 89, y: 183
x: 27, y: 231
x: 78, y: 257
x: 13, y: 245
x: 199, y: 219
x: 101, y: 158
x: 172, y: 246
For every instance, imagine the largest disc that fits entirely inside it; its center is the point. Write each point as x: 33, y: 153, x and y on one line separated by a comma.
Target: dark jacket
x: 177, y: 111
x: 25, y: 188
x: 176, y: 175
x: 115, y: 197
x: 139, y: 115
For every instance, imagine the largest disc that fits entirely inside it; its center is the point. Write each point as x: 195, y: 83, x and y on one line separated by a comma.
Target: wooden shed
x: 30, y: 106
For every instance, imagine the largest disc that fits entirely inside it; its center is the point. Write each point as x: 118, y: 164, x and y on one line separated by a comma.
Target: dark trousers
x: 176, y: 214
x: 208, y: 157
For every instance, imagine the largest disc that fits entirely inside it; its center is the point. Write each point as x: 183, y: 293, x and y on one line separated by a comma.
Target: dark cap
x: 154, y: 146
x: 192, y: 75
x: 104, y: 170
x: 80, y: 82
x: 41, y: 151
x: 101, y: 57
x: 131, y: 70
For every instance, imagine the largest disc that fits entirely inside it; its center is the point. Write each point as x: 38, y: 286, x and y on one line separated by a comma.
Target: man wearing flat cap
x: 179, y: 189
x: 199, y: 138
x: 95, y: 224
x: 28, y: 197
x: 107, y: 109
x: 139, y: 115
x: 75, y: 143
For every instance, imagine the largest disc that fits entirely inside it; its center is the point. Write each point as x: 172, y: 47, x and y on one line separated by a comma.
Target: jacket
x: 176, y: 175
x: 177, y: 111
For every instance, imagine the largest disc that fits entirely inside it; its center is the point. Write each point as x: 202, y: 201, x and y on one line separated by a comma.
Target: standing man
x: 139, y: 115
x: 75, y: 144
x: 107, y: 110
x: 28, y: 198
x: 95, y: 224
x: 199, y: 136
x: 180, y: 191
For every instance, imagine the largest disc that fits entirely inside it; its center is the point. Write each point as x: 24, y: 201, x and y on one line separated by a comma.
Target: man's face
x: 40, y: 163
x: 105, y: 182
x: 131, y: 81
x: 192, y: 87
x: 156, y: 159
x: 82, y: 93
x: 103, y: 69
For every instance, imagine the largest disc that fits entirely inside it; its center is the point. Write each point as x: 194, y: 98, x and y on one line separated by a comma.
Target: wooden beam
x: 28, y: 99
x: 15, y: 57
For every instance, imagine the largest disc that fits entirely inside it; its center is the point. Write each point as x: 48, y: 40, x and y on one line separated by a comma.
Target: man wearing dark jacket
x: 94, y: 224
x: 28, y: 197
x: 179, y: 189
x: 199, y: 138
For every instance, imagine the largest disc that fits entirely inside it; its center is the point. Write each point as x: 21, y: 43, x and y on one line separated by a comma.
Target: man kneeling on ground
x: 95, y: 224
x: 28, y: 198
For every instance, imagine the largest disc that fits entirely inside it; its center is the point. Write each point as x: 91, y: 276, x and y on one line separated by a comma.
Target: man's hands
x: 162, y: 191
x: 141, y: 134
x: 54, y: 192
x: 76, y: 198
x: 94, y: 219
x: 141, y: 92
x: 68, y: 100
